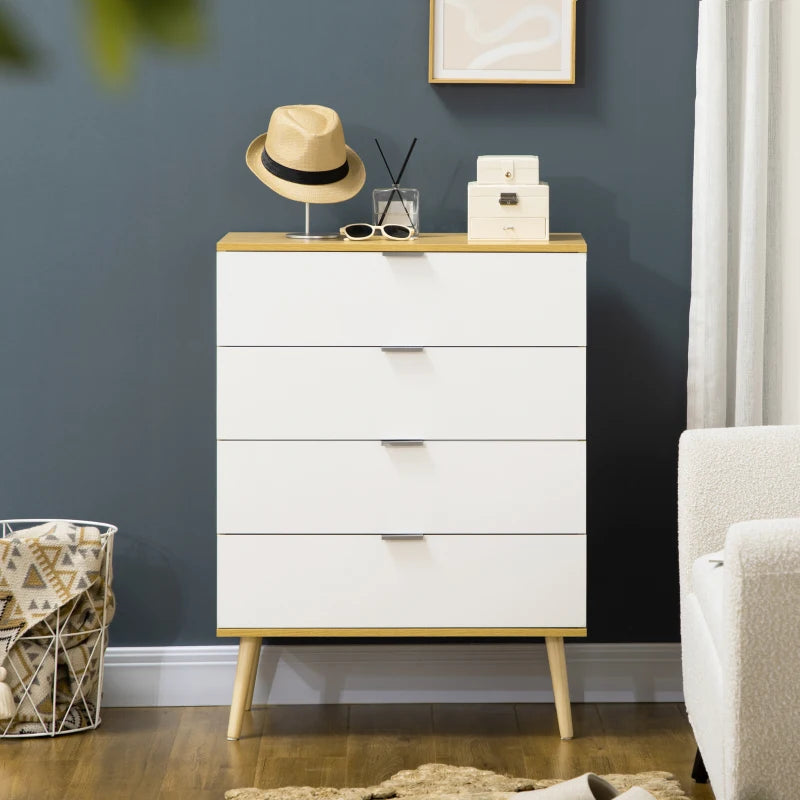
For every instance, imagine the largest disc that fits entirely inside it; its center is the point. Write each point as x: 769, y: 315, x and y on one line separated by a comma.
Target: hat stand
x: 307, y: 234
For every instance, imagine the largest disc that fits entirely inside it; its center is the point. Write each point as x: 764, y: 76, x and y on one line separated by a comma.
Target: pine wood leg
x: 251, y: 686
x: 249, y: 648
x: 558, y: 675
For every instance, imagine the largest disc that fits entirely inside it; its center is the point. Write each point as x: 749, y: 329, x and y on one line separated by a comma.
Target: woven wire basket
x: 54, y: 640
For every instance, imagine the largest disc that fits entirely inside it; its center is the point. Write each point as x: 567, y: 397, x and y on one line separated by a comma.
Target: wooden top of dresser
x: 426, y: 243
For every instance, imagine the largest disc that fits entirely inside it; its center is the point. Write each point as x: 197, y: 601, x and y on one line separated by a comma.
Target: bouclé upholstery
x: 739, y: 493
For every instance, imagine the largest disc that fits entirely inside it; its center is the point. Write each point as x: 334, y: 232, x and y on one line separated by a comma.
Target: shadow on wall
x: 333, y: 673
x: 156, y: 612
x: 635, y: 413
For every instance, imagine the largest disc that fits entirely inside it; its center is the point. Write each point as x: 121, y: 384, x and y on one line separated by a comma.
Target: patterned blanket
x: 52, y: 575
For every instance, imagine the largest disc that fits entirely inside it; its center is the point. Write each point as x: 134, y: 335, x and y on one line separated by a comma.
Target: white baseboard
x: 393, y: 673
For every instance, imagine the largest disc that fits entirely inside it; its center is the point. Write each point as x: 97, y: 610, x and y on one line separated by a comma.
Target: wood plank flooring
x: 182, y: 753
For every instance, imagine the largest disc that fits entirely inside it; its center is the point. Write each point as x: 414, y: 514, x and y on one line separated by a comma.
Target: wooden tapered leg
x: 558, y: 675
x: 249, y: 648
x: 251, y: 686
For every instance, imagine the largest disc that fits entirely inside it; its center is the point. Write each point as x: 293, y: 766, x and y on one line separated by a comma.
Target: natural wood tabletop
x: 424, y: 243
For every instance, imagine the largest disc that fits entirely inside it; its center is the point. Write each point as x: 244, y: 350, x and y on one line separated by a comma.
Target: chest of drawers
x: 400, y: 443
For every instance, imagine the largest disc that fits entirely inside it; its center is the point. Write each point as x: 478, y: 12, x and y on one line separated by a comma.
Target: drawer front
x: 488, y: 205
x: 376, y: 299
x: 365, y: 487
x: 366, y: 393
x: 511, y: 229
x: 331, y: 581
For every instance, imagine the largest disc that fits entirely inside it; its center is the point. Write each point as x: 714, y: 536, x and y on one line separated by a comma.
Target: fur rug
x: 442, y: 782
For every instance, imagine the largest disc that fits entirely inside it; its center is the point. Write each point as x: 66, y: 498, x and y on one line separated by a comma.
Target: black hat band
x: 305, y: 177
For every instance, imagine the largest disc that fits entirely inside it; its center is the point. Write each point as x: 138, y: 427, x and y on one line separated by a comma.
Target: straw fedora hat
x: 303, y: 156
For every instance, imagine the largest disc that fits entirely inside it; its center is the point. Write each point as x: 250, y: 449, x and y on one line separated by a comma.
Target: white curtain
x: 734, y: 358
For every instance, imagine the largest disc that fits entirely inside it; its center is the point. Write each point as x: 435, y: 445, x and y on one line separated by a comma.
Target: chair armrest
x: 729, y: 475
x: 764, y: 548
x: 761, y: 717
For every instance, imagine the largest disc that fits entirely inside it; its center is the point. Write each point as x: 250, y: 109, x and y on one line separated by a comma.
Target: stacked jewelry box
x: 507, y: 201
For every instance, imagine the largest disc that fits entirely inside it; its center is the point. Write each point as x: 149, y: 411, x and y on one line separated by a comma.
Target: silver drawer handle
x: 391, y: 537
x: 402, y: 442
x: 402, y: 348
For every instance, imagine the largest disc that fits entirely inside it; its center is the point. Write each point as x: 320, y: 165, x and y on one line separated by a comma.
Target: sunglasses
x: 363, y: 230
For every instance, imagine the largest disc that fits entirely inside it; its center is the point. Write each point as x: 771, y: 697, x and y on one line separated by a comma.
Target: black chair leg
x: 699, y: 774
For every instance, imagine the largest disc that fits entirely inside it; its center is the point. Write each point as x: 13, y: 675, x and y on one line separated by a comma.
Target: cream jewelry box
x: 508, y: 169
x: 501, y: 212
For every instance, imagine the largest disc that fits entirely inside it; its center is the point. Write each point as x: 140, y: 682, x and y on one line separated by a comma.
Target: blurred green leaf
x: 177, y: 23
x: 113, y: 29
x: 110, y: 29
x: 14, y: 49
x: 116, y: 27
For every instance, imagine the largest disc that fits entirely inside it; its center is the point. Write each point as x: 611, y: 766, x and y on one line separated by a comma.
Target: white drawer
x: 364, y: 487
x: 365, y: 393
x: 508, y: 229
x: 341, y: 298
x: 488, y: 206
x: 365, y: 582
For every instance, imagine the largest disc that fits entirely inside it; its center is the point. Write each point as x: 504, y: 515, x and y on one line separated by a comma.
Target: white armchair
x: 739, y: 493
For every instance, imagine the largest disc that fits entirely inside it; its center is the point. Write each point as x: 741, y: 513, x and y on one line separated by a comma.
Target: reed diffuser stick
x: 395, y: 183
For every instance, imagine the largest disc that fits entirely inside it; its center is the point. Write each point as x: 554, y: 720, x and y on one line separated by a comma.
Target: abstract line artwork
x: 502, y: 41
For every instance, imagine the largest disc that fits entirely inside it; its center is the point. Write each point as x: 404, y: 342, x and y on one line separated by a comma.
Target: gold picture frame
x: 471, y: 65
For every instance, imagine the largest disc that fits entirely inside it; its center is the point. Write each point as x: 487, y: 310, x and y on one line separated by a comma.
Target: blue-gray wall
x: 110, y: 205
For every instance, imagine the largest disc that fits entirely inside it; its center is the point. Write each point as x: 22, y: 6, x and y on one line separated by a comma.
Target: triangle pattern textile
x: 55, y: 566
x: 33, y: 580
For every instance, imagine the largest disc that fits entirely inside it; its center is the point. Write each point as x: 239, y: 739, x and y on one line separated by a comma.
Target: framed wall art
x: 502, y: 41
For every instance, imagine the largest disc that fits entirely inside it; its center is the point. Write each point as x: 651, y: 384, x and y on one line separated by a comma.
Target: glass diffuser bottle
x: 398, y: 206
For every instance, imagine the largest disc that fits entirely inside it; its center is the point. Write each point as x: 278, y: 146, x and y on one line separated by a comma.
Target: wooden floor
x: 182, y: 752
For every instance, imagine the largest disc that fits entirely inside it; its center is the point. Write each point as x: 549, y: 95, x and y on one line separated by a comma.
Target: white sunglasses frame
x: 379, y: 229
